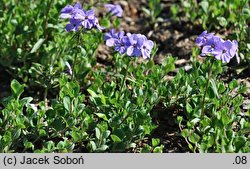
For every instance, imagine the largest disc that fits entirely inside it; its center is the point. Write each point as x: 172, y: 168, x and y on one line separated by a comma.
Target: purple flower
x: 67, y: 11
x: 216, y: 46
x: 110, y: 38
x: 222, y: 51
x: 87, y: 18
x: 114, y: 9
x: 79, y: 17
x: 146, y: 48
x: 120, y: 46
x: 97, y: 25
x: 226, y: 51
x: 116, y: 40
x: 131, y: 44
x: 202, y: 39
x: 210, y: 45
x: 139, y: 46
x: 134, y: 44
x: 73, y: 25
x: 120, y: 43
x: 234, y: 49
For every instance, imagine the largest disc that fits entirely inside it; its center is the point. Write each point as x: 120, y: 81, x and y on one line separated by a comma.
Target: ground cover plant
x: 124, y: 76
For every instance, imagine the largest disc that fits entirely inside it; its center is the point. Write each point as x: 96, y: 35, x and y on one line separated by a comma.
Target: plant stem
x: 124, y: 80
x: 46, y: 19
x: 73, y: 67
x: 45, y: 96
x: 75, y: 58
x: 206, y: 87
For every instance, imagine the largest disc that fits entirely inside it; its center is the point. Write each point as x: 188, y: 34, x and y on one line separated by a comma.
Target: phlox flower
x: 69, y: 10
x: 79, y: 17
x: 114, y: 9
x: 203, y: 38
x: 223, y: 50
x: 131, y: 44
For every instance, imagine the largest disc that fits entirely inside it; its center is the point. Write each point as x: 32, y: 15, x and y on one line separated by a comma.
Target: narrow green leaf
x: 102, y: 116
x: 97, y: 133
x: 214, y: 87
x: 92, y: 93
x: 37, y: 45
x: 115, y: 138
x: 189, y: 108
x: 66, y: 103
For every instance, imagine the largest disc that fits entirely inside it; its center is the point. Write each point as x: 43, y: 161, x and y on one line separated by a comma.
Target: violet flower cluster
x: 114, y: 9
x: 223, y: 50
x: 79, y: 17
x: 130, y: 44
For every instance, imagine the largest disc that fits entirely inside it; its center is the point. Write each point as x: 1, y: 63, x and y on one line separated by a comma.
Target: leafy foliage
x: 223, y: 16
x: 63, y: 100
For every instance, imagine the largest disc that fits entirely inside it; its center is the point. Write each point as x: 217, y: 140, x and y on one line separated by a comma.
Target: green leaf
x: 214, y: 87
x: 92, y: 93
x: 233, y: 84
x: 179, y: 119
x: 195, y: 120
x: 240, y: 142
x: 210, y: 141
x: 185, y: 133
x: 102, y: 116
x: 93, y: 145
x: 194, y: 138
x: 66, y: 103
x: 189, y: 108
x: 17, y: 88
x: 221, y: 88
x: 225, y: 118
x: 210, y: 92
x: 60, y: 145
x: 146, y: 11
x: 158, y: 149
x: 116, y: 22
x: 105, y: 22
x: 146, y: 149
x: 17, y: 134
x: 103, y: 99
x: 222, y: 21
x: 103, y: 148
x: 230, y: 148
x: 50, y: 145
x: 42, y: 132
x: 26, y: 100
x: 105, y: 134
x: 58, y: 124
x: 204, y: 6
x: 155, y: 142
x: 76, y: 136
x: 28, y: 145
x: 115, y: 138
x: 98, y: 133
x: 37, y: 45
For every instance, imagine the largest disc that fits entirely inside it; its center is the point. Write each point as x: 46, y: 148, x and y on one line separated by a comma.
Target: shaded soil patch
x: 168, y: 130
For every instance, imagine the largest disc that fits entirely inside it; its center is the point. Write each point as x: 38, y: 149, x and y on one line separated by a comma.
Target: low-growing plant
x: 81, y: 105
x: 213, y: 120
x: 154, y: 10
x: 231, y: 17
